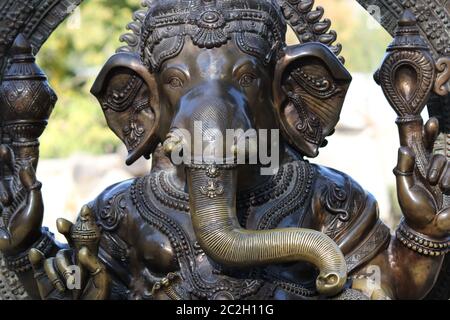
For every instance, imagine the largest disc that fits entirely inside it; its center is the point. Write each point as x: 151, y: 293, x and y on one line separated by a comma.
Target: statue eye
x: 247, y: 80
x: 175, y: 82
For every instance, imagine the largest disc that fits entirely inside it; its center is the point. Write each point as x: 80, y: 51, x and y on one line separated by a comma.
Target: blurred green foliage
x: 363, y: 40
x: 74, y: 54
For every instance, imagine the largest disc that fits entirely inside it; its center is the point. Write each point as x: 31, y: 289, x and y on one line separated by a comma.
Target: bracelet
x: 21, y: 263
x: 401, y: 173
x: 408, y: 119
x: 420, y: 243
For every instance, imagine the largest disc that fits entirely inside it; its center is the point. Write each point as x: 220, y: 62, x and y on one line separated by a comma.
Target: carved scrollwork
x: 432, y: 16
x: 343, y: 205
x: 210, y: 31
x: 111, y: 215
x: 302, y: 176
x: 120, y: 99
x: 368, y: 247
x: 316, y: 85
x: 308, y: 124
x: 26, y: 97
x: 209, y: 25
x: 127, y: 100
x: 134, y: 131
x: 335, y: 200
x: 442, y: 83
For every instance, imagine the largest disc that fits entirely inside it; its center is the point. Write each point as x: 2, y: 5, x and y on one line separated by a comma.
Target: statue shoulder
x: 110, y: 206
x: 348, y: 214
x: 339, y: 197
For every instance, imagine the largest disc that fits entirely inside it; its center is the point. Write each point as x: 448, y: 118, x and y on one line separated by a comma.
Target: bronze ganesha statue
x: 213, y: 227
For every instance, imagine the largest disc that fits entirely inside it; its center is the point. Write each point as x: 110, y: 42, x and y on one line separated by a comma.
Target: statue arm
x: 20, y: 267
x: 95, y: 248
x: 379, y: 264
x: 21, y: 215
x: 48, y: 269
x: 32, y: 256
x: 411, y: 262
x: 398, y: 272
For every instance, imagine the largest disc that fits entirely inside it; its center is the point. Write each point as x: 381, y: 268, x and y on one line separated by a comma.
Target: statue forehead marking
x: 257, y: 27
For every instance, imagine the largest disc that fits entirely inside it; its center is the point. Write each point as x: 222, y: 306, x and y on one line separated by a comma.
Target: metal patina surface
x: 214, y: 229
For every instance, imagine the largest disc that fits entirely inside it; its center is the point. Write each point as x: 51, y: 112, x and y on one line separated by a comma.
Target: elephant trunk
x: 212, y: 190
x: 212, y: 187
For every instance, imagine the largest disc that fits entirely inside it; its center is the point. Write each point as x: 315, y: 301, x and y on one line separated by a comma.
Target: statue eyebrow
x: 178, y: 67
x: 246, y: 65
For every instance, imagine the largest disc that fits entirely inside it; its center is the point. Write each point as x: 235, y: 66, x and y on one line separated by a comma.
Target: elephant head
x: 225, y: 64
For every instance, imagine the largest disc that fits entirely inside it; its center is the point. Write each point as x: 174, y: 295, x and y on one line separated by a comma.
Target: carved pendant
x: 213, y: 188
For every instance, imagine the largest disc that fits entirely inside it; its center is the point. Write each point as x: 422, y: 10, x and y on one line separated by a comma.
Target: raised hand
x: 420, y: 194
x: 74, y: 273
x: 21, y: 205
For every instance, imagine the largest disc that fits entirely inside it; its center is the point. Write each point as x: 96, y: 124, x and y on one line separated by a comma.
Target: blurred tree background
x: 364, y: 41
x: 72, y: 58
x: 74, y: 54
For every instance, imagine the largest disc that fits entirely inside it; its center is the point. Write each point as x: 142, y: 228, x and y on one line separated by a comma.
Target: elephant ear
x: 127, y: 93
x: 309, y: 90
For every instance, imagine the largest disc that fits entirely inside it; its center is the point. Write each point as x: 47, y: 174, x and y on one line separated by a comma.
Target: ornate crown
x: 257, y: 27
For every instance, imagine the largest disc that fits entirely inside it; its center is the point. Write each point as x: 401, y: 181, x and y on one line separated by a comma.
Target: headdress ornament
x: 257, y: 27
